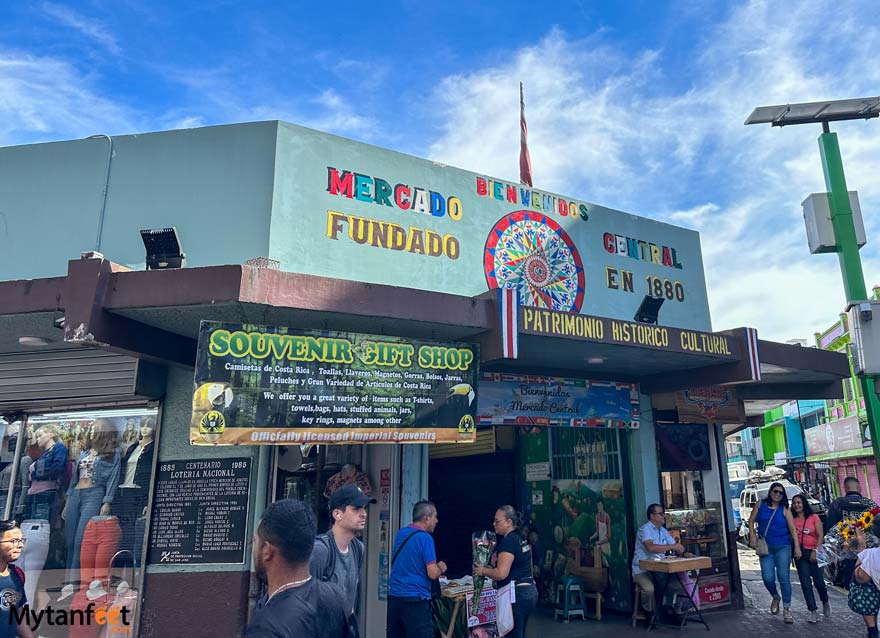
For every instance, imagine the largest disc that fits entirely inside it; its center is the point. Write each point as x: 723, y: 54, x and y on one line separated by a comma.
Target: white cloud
x: 92, y: 28
x: 44, y: 99
x: 606, y: 125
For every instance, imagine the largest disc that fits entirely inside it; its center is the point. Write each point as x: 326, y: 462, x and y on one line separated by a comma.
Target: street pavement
x: 752, y: 622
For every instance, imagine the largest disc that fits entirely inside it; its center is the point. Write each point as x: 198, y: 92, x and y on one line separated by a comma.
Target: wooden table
x: 675, y: 565
x: 459, y: 598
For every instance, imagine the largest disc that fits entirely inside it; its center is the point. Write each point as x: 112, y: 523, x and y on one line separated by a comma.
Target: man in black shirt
x: 295, y: 604
x: 849, y: 506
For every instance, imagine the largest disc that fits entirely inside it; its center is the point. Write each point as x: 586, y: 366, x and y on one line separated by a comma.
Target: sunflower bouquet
x: 840, y: 540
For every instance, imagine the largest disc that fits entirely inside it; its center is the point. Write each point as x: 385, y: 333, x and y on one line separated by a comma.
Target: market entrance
x: 467, y: 490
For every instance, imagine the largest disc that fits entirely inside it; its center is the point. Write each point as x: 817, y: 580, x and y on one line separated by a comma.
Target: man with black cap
x: 339, y: 554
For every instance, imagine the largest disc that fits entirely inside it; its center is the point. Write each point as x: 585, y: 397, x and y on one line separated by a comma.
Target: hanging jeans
x: 777, y: 564
x: 810, y: 575
x: 99, y: 544
x: 33, y: 555
x: 82, y: 505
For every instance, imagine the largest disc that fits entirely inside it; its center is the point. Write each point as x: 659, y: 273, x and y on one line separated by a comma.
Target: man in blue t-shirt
x: 12, y: 596
x: 413, y: 566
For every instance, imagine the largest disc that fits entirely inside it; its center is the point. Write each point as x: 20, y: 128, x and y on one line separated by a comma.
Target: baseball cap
x: 349, y: 495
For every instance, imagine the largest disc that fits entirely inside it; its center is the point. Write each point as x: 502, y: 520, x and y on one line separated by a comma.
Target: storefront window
x: 80, y: 498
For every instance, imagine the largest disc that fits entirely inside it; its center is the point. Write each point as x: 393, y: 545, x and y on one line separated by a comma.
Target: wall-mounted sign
x: 538, y: 471
x: 509, y: 399
x: 353, y: 211
x: 712, y: 404
x: 626, y: 333
x: 836, y: 436
x: 270, y: 385
x: 200, y: 512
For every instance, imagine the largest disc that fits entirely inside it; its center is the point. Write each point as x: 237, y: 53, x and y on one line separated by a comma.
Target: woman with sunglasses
x: 810, y: 537
x: 512, y: 561
x: 772, y: 521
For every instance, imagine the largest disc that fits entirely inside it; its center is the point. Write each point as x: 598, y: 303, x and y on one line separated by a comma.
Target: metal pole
x: 16, y: 462
x: 850, y: 262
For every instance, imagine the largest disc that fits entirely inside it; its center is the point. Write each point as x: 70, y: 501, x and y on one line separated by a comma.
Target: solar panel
x: 816, y: 112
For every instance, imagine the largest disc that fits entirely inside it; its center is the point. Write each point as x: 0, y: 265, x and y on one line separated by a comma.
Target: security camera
x: 865, y: 312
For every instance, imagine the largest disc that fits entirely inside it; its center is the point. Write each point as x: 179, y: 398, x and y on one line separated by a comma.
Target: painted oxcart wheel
x: 531, y: 253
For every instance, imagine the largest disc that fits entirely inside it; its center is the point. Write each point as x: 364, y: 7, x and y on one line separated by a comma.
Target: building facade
x: 583, y: 415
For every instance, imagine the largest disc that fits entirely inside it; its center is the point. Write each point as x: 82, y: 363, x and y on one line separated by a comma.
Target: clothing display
x: 82, y: 505
x: 100, y: 542
x: 85, y: 503
x: 131, y: 496
x: 45, y: 477
x: 36, y: 534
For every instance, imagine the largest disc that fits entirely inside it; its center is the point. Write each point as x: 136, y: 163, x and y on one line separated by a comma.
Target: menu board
x: 200, y: 512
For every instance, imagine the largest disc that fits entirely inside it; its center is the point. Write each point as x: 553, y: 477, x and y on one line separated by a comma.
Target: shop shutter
x: 485, y: 444
x: 81, y: 377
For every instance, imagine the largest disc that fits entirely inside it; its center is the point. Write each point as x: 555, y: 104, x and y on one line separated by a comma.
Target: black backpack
x: 357, y: 551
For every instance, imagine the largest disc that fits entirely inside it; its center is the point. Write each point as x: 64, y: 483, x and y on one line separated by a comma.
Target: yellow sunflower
x: 867, y: 519
x: 846, y: 532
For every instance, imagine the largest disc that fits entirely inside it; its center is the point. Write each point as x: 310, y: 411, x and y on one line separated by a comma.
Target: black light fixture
x: 648, y: 309
x: 163, y: 248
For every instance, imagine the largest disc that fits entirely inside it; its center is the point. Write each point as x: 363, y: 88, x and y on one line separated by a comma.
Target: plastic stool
x: 570, y: 601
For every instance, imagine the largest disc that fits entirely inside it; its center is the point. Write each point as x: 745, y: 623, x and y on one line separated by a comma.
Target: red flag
x: 525, y: 162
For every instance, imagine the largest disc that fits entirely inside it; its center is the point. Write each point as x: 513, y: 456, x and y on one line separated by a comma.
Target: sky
x: 637, y: 106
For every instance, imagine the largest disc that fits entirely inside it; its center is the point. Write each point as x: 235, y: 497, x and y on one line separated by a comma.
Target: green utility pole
x: 850, y: 262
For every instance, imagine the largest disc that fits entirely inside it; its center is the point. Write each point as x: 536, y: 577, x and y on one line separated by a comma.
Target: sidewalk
x: 753, y: 621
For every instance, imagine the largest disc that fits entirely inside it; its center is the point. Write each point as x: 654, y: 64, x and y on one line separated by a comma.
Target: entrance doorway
x: 467, y: 490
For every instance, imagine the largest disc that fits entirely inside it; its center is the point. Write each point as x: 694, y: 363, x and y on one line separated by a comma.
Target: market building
x: 589, y: 399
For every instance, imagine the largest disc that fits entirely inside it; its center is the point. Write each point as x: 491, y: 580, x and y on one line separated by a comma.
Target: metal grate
x: 585, y: 453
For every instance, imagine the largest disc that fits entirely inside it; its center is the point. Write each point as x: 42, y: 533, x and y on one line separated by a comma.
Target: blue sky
x: 637, y: 106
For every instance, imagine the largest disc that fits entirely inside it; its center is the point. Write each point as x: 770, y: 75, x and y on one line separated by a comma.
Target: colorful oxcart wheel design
x: 529, y: 252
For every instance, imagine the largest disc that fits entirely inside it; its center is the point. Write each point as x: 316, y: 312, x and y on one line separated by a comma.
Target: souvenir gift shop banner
x: 267, y: 385
x: 573, y: 472
x: 352, y: 211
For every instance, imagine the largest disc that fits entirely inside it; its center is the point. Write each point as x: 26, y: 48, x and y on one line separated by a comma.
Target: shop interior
x: 691, y: 490
x: 80, y: 496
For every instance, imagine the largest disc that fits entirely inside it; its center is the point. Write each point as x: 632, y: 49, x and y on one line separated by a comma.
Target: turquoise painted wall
x: 279, y: 190
x: 313, y: 230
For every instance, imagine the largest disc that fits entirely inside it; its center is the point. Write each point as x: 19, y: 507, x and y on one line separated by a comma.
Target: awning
x: 156, y: 315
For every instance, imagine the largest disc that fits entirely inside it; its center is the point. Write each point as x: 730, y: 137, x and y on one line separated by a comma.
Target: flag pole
x: 525, y: 161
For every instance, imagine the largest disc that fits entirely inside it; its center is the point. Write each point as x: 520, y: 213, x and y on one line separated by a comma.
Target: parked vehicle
x: 757, y: 488
x: 738, y: 476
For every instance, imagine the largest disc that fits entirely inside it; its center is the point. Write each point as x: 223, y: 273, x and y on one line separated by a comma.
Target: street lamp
x: 847, y: 244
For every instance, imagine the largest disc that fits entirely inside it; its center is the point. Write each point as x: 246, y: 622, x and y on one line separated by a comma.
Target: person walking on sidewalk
x: 863, y: 596
x: 295, y: 604
x: 810, y: 536
x: 339, y: 554
x: 848, y: 506
x: 773, y: 526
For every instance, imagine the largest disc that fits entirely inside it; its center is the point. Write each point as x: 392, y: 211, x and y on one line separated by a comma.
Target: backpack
x: 357, y: 551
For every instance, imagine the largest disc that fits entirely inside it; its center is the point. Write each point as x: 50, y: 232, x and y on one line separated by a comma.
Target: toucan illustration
x: 450, y: 409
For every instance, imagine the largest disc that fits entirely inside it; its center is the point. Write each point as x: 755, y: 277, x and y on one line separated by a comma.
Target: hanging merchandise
x: 582, y: 457
x: 601, y: 457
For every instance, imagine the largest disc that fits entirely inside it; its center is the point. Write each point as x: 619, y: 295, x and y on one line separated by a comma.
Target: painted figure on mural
x: 602, y: 536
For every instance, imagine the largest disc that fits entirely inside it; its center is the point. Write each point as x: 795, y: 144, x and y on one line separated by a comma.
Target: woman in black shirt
x: 512, y: 561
